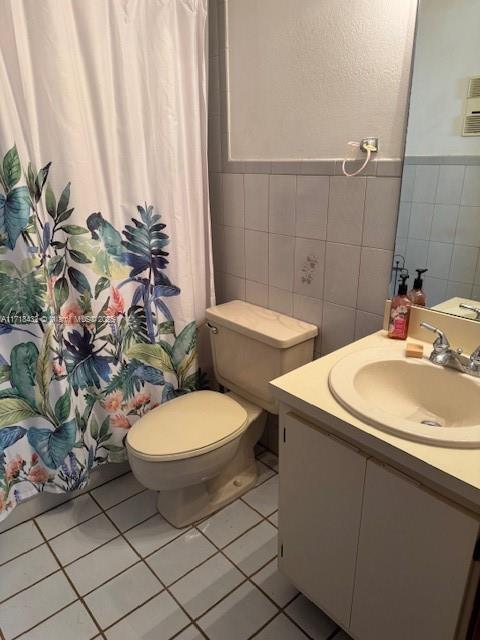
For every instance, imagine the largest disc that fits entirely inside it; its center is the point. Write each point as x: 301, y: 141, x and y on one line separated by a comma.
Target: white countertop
x: 453, y: 472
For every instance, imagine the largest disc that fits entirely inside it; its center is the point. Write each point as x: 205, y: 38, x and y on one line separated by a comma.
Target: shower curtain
x: 105, y: 263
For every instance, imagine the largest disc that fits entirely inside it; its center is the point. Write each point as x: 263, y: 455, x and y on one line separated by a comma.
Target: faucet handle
x: 441, y: 342
x: 471, y: 307
x: 475, y: 358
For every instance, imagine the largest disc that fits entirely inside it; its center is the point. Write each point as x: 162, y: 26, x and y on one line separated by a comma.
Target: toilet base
x: 184, y: 506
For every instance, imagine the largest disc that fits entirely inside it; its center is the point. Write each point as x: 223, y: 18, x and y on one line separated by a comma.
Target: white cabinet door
x: 414, y: 557
x: 321, y: 487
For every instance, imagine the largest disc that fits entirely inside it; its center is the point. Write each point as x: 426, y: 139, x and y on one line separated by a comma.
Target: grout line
x: 2, y: 564
x: 71, y: 499
x: 77, y: 524
x: 67, y: 577
x: 12, y: 595
x: 164, y: 587
x: 143, y: 560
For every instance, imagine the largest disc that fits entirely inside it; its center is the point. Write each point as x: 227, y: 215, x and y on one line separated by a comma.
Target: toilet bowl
x: 197, y: 451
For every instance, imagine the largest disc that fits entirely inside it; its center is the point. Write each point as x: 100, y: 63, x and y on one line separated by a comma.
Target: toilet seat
x: 187, y: 426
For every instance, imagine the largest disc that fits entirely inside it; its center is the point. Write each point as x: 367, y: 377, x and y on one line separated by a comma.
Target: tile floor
x: 107, y: 565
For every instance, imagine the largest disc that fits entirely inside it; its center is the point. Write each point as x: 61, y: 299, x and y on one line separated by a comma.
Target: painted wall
x: 447, y: 54
x: 306, y: 76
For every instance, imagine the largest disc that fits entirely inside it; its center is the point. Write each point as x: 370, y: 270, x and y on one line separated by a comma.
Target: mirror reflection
x: 438, y: 231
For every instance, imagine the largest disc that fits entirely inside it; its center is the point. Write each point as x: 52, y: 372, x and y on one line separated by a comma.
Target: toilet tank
x: 252, y: 345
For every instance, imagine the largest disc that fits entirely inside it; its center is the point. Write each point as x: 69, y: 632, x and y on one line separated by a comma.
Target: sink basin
x: 409, y: 397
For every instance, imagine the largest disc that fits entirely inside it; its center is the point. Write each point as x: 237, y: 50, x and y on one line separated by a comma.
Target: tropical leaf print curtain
x: 104, y: 242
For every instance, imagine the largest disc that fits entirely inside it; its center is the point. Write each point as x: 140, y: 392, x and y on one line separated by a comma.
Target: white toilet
x: 197, y: 451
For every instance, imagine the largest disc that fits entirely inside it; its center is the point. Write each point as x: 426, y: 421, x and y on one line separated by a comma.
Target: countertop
x: 455, y: 473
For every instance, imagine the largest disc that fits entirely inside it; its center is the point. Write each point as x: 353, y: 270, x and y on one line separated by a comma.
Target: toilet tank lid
x: 264, y: 325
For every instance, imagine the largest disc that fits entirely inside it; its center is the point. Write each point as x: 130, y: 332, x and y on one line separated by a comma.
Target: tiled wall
x: 318, y: 247
x: 315, y: 247
x: 439, y: 227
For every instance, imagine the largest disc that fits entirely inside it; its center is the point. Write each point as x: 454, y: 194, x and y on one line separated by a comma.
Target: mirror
x: 439, y: 214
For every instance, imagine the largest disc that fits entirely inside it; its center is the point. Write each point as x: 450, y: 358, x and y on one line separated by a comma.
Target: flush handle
x: 212, y: 327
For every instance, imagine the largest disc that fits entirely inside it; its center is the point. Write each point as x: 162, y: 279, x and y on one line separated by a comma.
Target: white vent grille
x: 471, y: 126
x: 471, y: 120
x: 474, y: 87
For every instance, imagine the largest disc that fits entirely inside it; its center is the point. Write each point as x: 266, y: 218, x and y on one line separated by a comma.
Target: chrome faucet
x: 471, y: 307
x: 443, y: 355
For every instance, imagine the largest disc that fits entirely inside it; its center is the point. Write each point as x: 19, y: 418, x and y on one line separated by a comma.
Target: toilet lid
x: 187, y: 426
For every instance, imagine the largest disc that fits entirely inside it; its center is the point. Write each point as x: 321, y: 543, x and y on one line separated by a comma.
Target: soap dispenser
x: 416, y: 294
x: 400, y: 311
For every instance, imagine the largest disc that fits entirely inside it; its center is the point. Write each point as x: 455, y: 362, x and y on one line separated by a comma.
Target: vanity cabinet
x: 414, y: 558
x: 381, y: 554
x: 321, y: 487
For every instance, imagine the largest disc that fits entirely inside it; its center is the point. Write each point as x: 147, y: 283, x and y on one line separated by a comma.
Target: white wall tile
x: 256, y: 202
x: 280, y: 300
x: 256, y: 293
x: 346, y: 209
x: 235, y: 251
x: 375, y: 272
x: 439, y: 259
x: 468, y: 227
x: 233, y: 200
x: 256, y: 256
x: 444, y: 222
x: 435, y: 290
x: 420, y: 221
x: 282, y: 204
x: 471, y: 187
x: 312, y: 206
x: 403, y: 222
x: 342, y: 269
x: 408, y: 183
x: 309, y: 267
x: 281, y: 251
x: 338, y: 327
x: 416, y: 254
x: 450, y: 184
x: 381, y: 209
x: 307, y: 309
x: 426, y: 180
x: 367, y: 323
x: 460, y: 289
x: 464, y: 263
